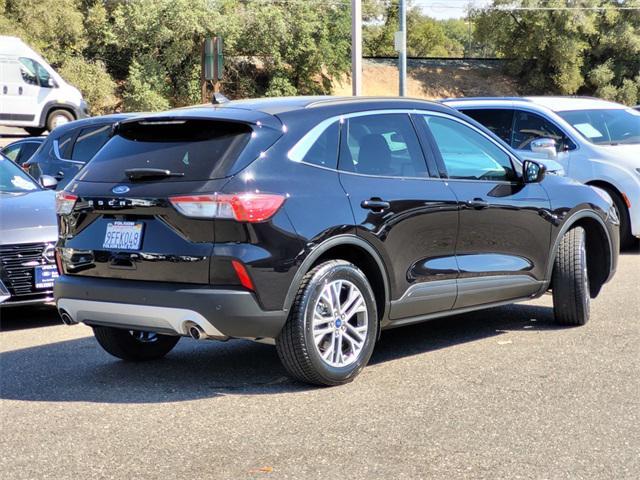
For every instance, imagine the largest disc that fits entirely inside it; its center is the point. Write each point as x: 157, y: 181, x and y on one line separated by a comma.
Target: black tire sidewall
x: 342, y: 271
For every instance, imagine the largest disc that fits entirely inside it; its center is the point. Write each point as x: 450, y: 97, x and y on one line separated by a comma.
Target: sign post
x: 212, y: 66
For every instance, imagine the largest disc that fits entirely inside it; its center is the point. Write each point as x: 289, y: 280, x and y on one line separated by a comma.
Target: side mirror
x: 533, y: 172
x: 48, y: 182
x: 51, y: 83
x: 545, y: 146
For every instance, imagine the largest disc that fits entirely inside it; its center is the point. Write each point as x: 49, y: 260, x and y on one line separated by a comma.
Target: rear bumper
x: 166, y: 307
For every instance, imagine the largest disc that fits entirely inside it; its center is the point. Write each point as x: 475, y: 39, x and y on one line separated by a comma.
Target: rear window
x: 197, y: 149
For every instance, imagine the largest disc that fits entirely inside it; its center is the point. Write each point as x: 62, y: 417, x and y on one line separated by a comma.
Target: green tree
x: 92, y: 79
x: 591, y: 51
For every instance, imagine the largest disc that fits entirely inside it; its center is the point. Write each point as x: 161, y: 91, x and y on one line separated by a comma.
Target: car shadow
x: 80, y: 371
x: 20, y: 318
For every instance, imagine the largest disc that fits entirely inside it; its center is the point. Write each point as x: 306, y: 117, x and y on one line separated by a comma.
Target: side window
x: 28, y: 71
x: 324, y: 151
x: 499, y: 121
x: 467, y: 154
x: 530, y: 126
x: 89, y: 141
x: 385, y: 145
x: 12, y: 151
x: 27, y: 151
x: 65, y: 144
x: 43, y: 76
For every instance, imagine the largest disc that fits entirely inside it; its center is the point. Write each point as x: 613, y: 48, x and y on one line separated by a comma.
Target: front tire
x: 332, y: 327
x: 570, y: 282
x: 134, y: 346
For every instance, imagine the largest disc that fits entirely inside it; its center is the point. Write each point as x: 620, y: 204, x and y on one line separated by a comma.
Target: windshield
x: 606, y: 127
x: 14, y: 180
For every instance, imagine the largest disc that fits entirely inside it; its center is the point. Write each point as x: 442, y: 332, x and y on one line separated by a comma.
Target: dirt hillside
x: 434, y: 79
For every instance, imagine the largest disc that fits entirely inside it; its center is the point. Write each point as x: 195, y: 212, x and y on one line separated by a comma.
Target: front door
x: 504, y: 236
x: 410, y: 217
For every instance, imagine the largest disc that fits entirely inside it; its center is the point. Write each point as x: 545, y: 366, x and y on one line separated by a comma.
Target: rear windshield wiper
x: 143, y: 173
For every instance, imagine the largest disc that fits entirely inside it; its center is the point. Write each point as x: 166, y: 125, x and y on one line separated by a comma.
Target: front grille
x: 18, y: 277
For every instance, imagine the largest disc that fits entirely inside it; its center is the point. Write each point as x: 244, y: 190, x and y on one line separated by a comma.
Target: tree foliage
x: 589, y: 50
x: 426, y: 37
x: 152, y: 48
x: 145, y: 54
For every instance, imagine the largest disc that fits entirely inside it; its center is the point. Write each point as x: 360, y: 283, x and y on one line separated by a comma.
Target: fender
x: 566, y: 226
x: 323, y: 247
x: 52, y: 105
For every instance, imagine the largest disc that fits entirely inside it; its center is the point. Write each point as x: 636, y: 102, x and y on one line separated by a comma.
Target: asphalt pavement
x: 496, y: 394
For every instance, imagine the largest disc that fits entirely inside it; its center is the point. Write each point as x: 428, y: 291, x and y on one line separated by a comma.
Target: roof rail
x: 471, y: 99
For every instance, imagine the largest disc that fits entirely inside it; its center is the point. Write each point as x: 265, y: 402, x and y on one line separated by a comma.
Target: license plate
x: 45, y: 276
x: 123, y: 236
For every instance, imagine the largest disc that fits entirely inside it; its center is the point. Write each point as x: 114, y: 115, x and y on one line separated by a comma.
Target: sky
x: 442, y: 9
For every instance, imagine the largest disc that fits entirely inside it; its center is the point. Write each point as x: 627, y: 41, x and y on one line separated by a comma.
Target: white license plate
x: 123, y: 236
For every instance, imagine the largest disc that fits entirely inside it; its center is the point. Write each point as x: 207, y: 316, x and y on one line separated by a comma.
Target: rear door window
x: 383, y: 145
x: 197, y: 149
x: 89, y: 141
x: 499, y: 121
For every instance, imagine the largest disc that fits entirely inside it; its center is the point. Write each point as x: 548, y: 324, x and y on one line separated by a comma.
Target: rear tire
x: 34, y: 131
x: 134, y: 346
x: 332, y: 327
x: 57, y: 118
x: 570, y: 282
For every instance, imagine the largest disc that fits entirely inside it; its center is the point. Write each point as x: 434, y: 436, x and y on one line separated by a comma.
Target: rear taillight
x: 243, y: 207
x: 65, y: 202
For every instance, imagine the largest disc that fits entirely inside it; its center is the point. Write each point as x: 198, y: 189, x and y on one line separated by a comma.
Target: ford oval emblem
x: 120, y: 189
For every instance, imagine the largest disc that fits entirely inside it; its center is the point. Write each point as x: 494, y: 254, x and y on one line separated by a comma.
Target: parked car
x: 70, y: 146
x: 22, y: 150
x: 29, y: 233
x: 313, y: 223
x: 34, y: 96
x: 597, y: 142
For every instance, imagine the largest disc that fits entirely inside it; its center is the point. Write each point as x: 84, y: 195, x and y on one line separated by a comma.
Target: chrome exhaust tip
x: 196, y: 332
x: 66, y: 318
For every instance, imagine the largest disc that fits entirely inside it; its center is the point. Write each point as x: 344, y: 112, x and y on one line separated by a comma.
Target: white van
x: 32, y: 94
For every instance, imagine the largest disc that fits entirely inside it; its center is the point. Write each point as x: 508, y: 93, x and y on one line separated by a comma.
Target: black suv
x: 314, y: 223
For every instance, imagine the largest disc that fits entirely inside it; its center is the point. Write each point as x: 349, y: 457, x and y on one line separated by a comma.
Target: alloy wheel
x: 340, y: 323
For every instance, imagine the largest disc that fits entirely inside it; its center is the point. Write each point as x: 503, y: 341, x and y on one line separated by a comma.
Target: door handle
x: 59, y: 176
x: 478, y: 203
x: 19, y: 90
x: 4, y: 89
x: 375, y: 204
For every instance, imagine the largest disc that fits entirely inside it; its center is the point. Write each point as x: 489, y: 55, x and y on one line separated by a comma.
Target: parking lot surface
x: 501, y: 393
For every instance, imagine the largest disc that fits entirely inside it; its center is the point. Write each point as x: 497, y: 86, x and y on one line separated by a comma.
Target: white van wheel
x: 57, y: 118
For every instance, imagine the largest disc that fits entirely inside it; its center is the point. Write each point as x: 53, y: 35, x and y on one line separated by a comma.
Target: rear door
x: 504, y: 236
x: 410, y: 217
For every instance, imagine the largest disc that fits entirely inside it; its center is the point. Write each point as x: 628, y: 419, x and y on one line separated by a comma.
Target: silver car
x: 28, y: 233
